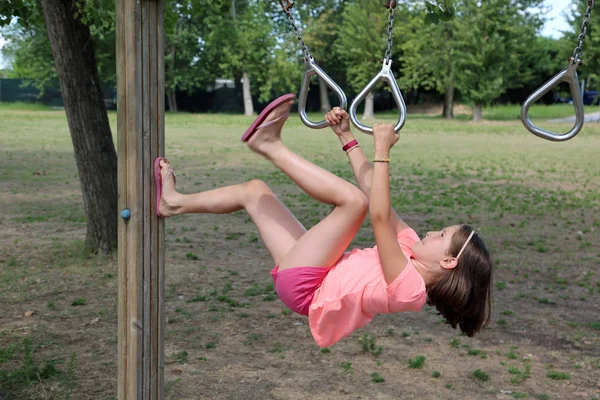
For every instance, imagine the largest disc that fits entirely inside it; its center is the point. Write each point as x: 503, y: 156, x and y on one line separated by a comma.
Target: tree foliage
x: 482, y: 49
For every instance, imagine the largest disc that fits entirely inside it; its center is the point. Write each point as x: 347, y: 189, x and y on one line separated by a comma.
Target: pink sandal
x: 258, y: 122
x: 160, y: 182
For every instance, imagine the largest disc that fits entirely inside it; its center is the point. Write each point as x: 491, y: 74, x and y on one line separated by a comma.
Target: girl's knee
x: 257, y: 186
x: 359, y: 201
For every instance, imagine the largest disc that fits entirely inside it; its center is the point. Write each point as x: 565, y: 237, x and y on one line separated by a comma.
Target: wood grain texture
x: 141, y: 239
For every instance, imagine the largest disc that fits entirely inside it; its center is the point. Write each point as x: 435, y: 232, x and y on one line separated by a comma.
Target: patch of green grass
x: 417, y: 362
x: 198, y: 298
x: 448, y: 386
x: 540, y: 396
x: 519, y: 395
x: 211, y: 345
x: 325, y: 350
x: 474, y: 352
x: 369, y: 345
x: 558, y: 376
x: 286, y: 312
x: 436, y: 374
x: 78, y: 302
x: 169, y: 385
x: 251, y: 338
x: 277, y: 348
x: 192, y: 256
x: 595, y: 325
x: 480, y: 375
x: 181, y: 357
x: 183, y: 312
x: 233, y: 236
x: 536, y: 112
x: 29, y: 370
x: 27, y: 106
x: 519, y: 376
x: 346, y: 366
x: 512, y: 355
x: 455, y: 343
x: 256, y: 290
x: 375, y: 377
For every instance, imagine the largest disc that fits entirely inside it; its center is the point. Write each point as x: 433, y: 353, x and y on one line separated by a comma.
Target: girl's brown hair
x: 463, y: 295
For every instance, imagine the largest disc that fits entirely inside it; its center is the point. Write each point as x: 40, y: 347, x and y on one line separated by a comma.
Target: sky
x: 555, y: 24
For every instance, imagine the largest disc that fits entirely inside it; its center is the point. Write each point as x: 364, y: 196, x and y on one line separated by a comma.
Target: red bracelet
x: 350, y: 145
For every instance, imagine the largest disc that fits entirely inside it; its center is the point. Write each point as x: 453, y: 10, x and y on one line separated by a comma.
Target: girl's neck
x: 428, y: 276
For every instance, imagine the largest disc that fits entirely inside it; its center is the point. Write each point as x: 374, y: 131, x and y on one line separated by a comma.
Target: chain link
x: 578, y: 52
x: 305, y: 52
x: 390, y: 31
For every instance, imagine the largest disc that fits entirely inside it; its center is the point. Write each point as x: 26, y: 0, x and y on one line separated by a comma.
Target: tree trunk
x: 448, y: 112
x: 93, y: 146
x: 325, y: 104
x: 478, y: 112
x: 248, y: 106
x: 449, y: 102
x: 172, y: 98
x: 369, y: 106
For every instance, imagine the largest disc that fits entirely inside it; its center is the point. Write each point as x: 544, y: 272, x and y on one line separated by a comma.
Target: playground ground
x: 228, y: 336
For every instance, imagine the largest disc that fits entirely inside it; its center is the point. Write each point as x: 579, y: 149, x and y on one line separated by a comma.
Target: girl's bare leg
x: 277, y: 226
x: 326, y: 242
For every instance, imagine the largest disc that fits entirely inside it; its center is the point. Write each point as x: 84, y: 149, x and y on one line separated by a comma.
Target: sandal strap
x: 171, y: 173
x: 276, y: 120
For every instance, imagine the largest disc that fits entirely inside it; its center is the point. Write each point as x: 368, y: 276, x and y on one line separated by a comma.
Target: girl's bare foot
x: 268, y: 138
x: 168, y: 202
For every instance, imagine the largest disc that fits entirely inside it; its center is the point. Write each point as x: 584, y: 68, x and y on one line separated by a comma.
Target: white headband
x: 465, y: 245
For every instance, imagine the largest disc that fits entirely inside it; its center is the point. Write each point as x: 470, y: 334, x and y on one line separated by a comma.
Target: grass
x: 539, y: 112
x: 528, y: 198
x: 31, y: 370
x: 417, y: 362
x: 375, y: 377
x: 480, y: 375
x: 558, y: 376
x: 368, y: 344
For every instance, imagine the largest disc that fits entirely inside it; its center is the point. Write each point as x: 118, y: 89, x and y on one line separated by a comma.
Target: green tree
x: 190, y: 63
x: 319, y: 21
x: 244, y: 35
x: 70, y: 39
x: 429, y: 56
x: 491, y: 40
x: 361, y: 45
x: 590, y: 70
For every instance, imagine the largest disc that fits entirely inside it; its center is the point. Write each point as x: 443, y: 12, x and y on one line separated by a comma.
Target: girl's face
x: 434, y: 248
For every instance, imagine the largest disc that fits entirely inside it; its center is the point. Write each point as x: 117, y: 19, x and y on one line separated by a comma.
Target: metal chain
x: 390, y: 30
x: 305, y: 52
x: 578, y: 52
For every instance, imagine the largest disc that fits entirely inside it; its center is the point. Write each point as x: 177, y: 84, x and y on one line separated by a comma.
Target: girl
x: 341, y: 291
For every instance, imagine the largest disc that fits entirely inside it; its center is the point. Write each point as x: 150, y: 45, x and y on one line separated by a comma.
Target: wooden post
x: 140, y: 121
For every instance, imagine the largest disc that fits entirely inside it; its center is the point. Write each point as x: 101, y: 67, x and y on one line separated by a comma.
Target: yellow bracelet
x: 386, y: 160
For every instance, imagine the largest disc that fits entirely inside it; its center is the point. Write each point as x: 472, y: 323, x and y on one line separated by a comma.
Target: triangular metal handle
x: 569, y: 75
x: 313, y: 69
x: 387, y: 76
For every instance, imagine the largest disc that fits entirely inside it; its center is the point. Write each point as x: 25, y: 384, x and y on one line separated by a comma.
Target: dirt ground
x: 229, y: 337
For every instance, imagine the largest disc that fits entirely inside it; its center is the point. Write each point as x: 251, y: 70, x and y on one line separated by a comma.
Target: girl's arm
x: 391, y: 257
x: 362, y: 168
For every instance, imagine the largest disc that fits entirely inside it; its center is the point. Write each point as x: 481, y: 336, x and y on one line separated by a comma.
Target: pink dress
x: 354, y: 290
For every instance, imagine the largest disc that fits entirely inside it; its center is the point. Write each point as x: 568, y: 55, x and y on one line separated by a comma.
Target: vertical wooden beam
x: 140, y: 125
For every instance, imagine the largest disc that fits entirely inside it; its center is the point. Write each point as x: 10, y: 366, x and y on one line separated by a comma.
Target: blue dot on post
x: 126, y: 214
